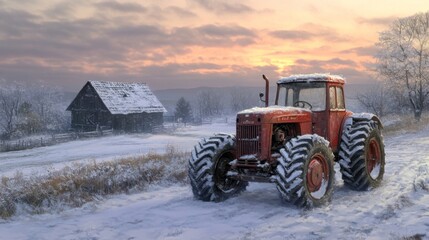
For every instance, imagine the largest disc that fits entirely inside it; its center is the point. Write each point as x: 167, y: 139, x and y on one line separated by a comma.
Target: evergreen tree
x: 183, y: 110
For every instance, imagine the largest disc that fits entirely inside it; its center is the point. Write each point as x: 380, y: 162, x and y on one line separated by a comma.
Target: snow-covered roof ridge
x: 321, y: 77
x: 126, y: 98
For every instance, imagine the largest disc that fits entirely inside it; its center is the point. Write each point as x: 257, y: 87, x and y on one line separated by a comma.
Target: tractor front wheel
x: 209, y: 166
x: 305, y: 171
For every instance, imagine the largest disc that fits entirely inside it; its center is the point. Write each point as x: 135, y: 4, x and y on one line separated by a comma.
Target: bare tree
x: 30, y: 110
x: 241, y: 100
x: 375, y: 100
x: 10, y: 101
x: 403, y: 59
x: 47, y: 104
x: 209, y: 104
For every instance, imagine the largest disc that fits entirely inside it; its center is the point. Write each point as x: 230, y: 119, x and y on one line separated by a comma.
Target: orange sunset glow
x: 191, y: 43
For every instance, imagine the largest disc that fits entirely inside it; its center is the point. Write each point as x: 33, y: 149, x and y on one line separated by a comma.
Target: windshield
x: 311, y: 95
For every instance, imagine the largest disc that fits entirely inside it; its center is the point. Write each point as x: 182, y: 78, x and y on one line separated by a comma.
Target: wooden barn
x: 130, y: 107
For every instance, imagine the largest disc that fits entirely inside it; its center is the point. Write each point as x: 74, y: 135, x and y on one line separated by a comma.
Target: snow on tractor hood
x: 274, y: 109
x: 274, y: 113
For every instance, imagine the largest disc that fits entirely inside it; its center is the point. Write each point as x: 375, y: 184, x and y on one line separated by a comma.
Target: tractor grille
x: 248, y: 140
x: 250, y: 163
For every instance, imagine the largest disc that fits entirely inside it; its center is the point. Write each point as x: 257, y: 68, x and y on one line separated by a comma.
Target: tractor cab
x: 323, y: 94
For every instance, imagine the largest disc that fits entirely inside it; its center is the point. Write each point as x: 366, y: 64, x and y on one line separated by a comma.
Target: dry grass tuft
x: 414, y: 237
x: 81, y: 183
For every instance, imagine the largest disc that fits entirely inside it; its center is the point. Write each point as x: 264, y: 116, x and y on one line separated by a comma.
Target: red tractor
x: 293, y: 144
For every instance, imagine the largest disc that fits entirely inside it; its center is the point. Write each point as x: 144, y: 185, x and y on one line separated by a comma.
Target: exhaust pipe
x: 267, y: 90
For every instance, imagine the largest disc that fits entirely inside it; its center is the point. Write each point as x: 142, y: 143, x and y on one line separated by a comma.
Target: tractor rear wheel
x: 305, y: 171
x: 209, y: 166
x: 361, y: 155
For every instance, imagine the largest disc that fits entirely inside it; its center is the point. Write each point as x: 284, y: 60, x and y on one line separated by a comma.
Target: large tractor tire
x: 305, y: 171
x: 361, y: 155
x: 209, y: 166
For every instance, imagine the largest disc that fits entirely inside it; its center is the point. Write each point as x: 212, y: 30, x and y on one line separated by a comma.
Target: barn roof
x: 126, y: 98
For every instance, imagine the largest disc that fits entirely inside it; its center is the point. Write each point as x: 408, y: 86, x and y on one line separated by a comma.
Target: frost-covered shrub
x: 421, y: 182
x: 81, y: 183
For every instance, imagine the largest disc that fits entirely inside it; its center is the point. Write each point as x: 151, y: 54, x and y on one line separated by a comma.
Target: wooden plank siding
x: 89, y: 113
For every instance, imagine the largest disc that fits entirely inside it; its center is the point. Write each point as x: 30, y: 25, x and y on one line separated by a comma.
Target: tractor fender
x: 356, y: 117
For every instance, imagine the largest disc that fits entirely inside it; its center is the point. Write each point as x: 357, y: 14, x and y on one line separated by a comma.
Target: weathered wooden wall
x: 89, y: 113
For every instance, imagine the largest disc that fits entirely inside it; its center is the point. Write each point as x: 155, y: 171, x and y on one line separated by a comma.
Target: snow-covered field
x: 106, y: 148
x: 399, y: 208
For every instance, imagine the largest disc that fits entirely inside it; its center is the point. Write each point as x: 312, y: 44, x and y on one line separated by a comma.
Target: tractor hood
x: 273, y: 114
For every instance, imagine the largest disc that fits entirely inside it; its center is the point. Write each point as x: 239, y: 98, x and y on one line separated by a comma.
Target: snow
x: 248, y: 157
x: 322, y: 190
x: 375, y: 171
x: 396, y: 209
x: 315, y: 77
x: 272, y: 109
x: 126, y: 98
x: 101, y: 149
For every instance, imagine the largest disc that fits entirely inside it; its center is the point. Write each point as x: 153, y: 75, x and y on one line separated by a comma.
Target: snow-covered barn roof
x: 316, y: 77
x: 126, y: 98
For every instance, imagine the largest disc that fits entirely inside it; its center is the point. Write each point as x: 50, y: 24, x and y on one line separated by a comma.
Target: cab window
x: 340, y: 98
x: 307, y: 94
x: 332, y: 98
x: 336, y: 98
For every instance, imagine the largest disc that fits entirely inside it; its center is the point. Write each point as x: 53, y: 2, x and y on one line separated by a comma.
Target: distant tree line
x: 212, y: 103
x: 30, y: 110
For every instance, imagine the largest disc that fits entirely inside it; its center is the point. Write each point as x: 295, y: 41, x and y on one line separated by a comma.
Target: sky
x: 191, y: 43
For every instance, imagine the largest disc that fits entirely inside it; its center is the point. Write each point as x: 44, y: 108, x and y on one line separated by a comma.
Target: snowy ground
x: 106, y: 148
x: 399, y: 208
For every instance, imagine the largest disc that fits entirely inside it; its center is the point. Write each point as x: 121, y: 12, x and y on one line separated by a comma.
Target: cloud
x: 309, y: 31
x: 157, y: 76
x: 63, y: 9
x: 293, y: 35
x: 63, y: 45
x: 141, y: 31
x: 224, y: 7
x: 70, y: 42
x: 347, y: 68
x: 362, y: 51
x: 180, y: 12
x: 326, y: 63
x: 216, y: 30
x: 16, y: 23
x: 317, y: 66
x: 121, y: 7
x: 67, y: 51
x: 24, y: 35
x: 239, y: 75
x: 205, y: 36
x: 384, y: 21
